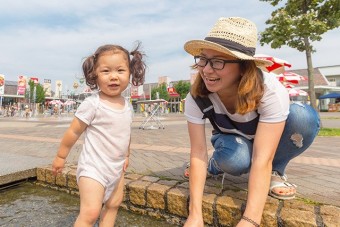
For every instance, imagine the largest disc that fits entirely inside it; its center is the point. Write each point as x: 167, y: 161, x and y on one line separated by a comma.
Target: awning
x: 330, y: 96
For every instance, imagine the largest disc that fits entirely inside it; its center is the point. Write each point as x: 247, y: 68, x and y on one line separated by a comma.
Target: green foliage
x: 300, y: 21
x: 40, y: 92
x: 162, y: 91
x: 182, y: 88
x: 297, y: 24
x: 329, y: 132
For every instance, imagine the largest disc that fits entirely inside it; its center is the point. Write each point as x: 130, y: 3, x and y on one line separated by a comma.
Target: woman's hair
x: 250, y: 89
x: 136, y: 64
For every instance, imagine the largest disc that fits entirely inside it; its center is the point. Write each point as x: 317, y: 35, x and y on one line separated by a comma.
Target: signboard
x: 58, y: 88
x: 35, y: 79
x: 47, y: 87
x: 2, y: 84
x: 22, y: 81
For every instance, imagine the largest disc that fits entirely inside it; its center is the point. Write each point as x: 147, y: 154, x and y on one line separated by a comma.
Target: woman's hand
x: 58, y: 165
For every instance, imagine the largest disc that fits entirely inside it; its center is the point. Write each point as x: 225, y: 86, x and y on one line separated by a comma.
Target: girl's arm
x: 265, y: 144
x: 70, y: 137
x: 198, y: 173
x: 126, y: 163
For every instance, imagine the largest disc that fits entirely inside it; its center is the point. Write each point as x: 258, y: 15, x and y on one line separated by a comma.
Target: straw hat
x: 233, y: 36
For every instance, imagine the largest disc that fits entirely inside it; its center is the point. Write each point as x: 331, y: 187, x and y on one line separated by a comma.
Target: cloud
x: 49, y: 39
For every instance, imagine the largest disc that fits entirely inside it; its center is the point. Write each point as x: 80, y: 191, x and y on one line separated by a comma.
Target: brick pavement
x: 30, y: 143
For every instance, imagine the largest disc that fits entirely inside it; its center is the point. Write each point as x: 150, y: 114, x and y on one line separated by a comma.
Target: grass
x: 329, y: 132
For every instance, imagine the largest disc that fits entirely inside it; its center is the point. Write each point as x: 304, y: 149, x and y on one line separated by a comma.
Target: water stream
x: 29, y: 205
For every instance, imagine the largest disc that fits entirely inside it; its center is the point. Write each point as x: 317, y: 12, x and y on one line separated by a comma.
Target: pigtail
x: 89, y: 72
x: 137, y: 67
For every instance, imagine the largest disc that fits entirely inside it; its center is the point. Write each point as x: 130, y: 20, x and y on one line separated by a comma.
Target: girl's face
x: 217, y: 80
x: 113, y: 73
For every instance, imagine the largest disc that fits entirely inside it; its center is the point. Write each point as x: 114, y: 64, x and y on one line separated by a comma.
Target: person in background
x: 259, y: 131
x: 106, y: 118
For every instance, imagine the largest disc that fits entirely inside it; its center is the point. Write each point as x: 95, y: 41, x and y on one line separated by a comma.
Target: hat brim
x: 194, y: 47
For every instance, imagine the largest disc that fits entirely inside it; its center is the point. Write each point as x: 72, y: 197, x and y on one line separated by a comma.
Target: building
x: 326, y: 80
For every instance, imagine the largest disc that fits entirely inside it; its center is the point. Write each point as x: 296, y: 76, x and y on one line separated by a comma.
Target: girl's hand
x: 126, y: 164
x: 58, y: 165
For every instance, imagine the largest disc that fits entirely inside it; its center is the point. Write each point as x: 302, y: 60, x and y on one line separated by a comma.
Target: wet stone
x: 330, y: 215
x: 41, y: 174
x: 228, y: 210
x: 296, y: 218
x: 137, y: 191
x: 177, y: 201
x: 156, y: 196
x: 72, y: 179
x: 50, y: 178
x: 208, y: 208
x: 299, y: 205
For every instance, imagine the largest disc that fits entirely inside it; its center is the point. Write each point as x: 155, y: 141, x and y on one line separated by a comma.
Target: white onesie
x: 106, y: 142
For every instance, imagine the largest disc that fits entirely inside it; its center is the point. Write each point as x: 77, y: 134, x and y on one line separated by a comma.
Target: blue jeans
x: 233, y: 152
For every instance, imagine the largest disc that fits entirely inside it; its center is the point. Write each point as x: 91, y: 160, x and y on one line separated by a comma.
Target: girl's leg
x: 302, y: 126
x: 232, y: 155
x: 91, y: 197
x: 110, y: 209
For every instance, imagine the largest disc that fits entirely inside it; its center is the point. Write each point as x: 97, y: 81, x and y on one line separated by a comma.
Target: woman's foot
x: 280, y: 188
x: 186, y: 171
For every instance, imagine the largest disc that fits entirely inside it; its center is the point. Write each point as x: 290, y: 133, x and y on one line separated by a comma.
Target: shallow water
x: 30, y: 205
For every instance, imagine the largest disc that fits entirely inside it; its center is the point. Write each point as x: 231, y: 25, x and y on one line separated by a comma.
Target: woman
x: 259, y: 131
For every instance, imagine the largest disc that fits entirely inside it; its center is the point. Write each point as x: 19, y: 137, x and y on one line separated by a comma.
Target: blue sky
x: 49, y: 39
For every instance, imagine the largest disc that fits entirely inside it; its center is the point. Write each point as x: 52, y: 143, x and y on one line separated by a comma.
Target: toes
x: 284, y: 191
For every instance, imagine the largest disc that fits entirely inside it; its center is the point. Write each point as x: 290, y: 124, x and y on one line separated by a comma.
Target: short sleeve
x: 274, y: 106
x: 87, y: 110
x: 192, y: 111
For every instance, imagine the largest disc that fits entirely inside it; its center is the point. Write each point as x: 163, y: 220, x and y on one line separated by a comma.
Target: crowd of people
x: 15, y: 110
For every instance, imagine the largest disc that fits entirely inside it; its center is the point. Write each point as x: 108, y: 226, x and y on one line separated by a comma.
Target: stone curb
x: 169, y: 199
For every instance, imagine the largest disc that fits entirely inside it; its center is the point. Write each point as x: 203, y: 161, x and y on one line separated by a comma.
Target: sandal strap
x: 277, y: 184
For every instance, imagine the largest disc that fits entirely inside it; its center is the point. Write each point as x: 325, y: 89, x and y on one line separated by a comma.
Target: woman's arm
x: 198, y: 173
x: 265, y: 144
x: 70, y: 137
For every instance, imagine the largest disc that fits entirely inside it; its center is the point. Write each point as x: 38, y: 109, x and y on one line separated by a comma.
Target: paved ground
x: 26, y: 144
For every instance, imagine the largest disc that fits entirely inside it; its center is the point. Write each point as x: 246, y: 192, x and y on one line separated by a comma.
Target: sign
x: 2, y: 84
x: 35, y: 80
x: 22, y: 81
x: 47, y: 87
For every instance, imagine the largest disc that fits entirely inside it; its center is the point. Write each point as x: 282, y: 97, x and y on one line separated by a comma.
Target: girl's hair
x: 136, y: 64
x: 250, y: 89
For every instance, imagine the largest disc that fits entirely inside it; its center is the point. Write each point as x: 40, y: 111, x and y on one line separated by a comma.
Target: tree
x: 162, y: 92
x: 182, y: 88
x: 299, y: 23
x: 39, y: 92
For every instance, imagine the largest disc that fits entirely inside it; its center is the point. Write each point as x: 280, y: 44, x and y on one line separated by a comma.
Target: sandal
x: 278, y: 181
x: 186, y: 171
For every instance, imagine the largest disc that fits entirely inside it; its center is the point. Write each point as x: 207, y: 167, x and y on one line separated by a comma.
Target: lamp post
x: 59, y: 84
x: 75, y: 87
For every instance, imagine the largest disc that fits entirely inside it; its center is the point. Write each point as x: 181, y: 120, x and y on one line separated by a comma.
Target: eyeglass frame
x: 211, y: 62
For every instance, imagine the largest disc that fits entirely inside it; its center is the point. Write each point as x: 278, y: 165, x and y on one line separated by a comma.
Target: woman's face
x: 219, y: 79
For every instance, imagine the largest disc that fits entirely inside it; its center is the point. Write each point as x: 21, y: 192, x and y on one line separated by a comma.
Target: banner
x: 2, y: 84
x: 35, y: 79
x: 58, y: 89
x: 22, y: 81
x: 47, y: 87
